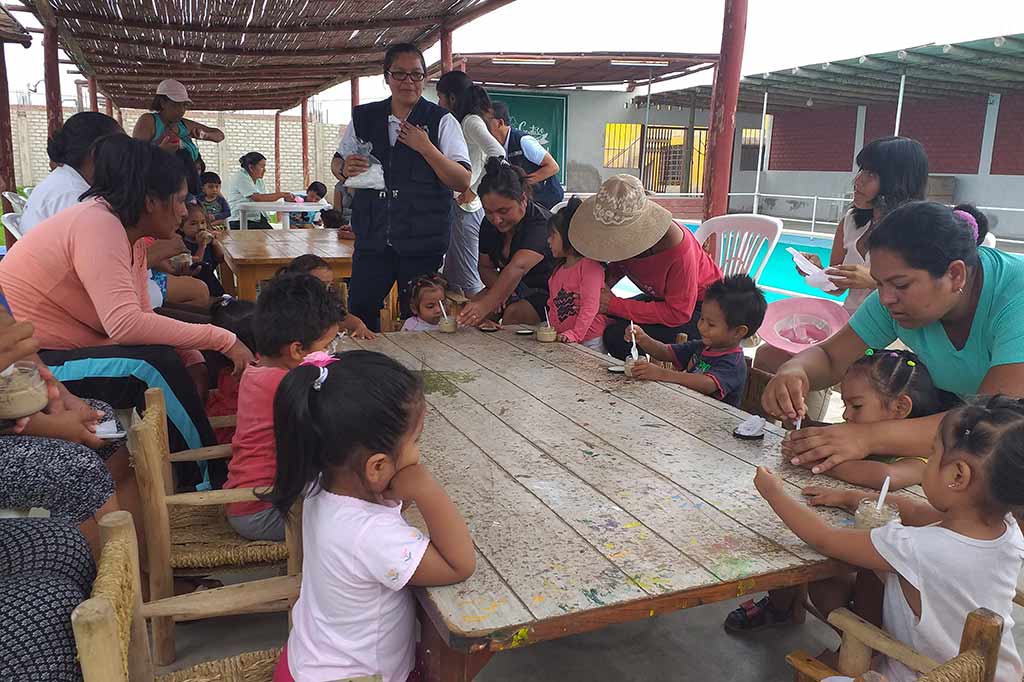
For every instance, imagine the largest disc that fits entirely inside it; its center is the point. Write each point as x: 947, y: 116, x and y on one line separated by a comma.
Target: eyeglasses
x: 416, y: 76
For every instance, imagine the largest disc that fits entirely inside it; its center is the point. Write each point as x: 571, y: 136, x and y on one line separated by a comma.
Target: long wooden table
x: 256, y: 255
x: 592, y: 499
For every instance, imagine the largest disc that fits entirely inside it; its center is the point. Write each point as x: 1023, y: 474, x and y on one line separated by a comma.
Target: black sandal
x: 751, y: 616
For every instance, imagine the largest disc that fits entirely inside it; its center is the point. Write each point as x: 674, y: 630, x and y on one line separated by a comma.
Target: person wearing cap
x: 525, y: 151
x: 638, y: 239
x: 167, y: 127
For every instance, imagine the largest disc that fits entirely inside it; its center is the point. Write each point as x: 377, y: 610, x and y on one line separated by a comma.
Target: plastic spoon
x: 443, y: 313
x: 881, y: 495
x: 635, y: 353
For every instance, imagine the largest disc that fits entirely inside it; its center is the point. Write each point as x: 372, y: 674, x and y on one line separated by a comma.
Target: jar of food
x: 22, y: 391
x: 448, y: 325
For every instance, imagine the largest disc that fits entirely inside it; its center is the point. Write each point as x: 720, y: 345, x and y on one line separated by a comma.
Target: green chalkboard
x: 542, y: 116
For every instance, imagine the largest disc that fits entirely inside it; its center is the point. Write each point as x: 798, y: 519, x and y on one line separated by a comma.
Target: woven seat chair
x: 187, y: 534
x: 110, y: 627
x: 976, y: 662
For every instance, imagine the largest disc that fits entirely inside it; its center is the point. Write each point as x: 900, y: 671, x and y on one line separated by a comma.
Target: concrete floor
x: 687, y: 646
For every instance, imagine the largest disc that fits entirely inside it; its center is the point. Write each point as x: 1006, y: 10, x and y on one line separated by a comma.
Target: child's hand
x: 562, y: 338
x: 820, y: 496
x: 641, y: 335
x: 767, y: 483
x: 648, y: 371
x: 409, y: 483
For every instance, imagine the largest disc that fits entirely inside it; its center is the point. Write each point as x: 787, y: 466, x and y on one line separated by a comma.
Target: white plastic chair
x: 738, y: 240
x: 12, y: 221
x: 18, y: 202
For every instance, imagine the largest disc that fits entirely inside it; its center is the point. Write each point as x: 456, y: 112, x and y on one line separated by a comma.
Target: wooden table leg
x: 247, y: 284
x: 442, y: 663
x: 227, y: 279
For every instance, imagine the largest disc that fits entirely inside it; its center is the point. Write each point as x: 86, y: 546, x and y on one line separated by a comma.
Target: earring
x: 960, y: 291
x: 951, y: 485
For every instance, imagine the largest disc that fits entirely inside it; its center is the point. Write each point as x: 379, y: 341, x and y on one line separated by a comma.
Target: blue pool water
x: 779, y: 273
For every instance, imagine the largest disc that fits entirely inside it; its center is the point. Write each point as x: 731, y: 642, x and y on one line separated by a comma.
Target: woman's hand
x: 466, y: 197
x: 361, y: 331
x: 288, y: 196
x: 767, y: 483
x: 820, y: 496
x: 606, y: 297
x: 819, y: 448
x: 355, y: 164
x: 240, y: 356
x: 785, y: 394
x: 69, y: 425
x: 414, y: 137
x: 475, y: 312
x: 851, y: 277
x: 16, y: 343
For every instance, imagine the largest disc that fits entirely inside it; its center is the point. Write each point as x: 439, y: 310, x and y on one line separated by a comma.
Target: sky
x: 780, y: 34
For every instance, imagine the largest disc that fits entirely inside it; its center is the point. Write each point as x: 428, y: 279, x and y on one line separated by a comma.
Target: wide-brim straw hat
x: 619, y: 222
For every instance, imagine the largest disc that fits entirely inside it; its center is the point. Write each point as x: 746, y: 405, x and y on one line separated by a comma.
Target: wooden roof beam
x: 234, y: 51
x: 328, y: 27
x: 46, y: 17
x: 194, y: 79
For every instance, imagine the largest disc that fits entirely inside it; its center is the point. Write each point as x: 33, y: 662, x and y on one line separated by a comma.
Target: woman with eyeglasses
x: 403, y: 230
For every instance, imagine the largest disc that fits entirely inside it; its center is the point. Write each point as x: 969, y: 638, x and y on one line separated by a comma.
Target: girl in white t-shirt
x: 937, y: 566
x: 356, y: 461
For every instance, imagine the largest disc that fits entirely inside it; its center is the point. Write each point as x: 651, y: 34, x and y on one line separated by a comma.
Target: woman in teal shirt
x: 247, y: 185
x: 958, y: 306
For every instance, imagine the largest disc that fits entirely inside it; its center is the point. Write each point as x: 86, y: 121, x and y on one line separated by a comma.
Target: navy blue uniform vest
x: 546, y: 193
x: 413, y: 215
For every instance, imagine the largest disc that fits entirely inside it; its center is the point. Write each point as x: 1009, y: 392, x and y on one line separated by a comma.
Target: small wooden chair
x: 110, y: 627
x: 187, y: 534
x: 976, y: 662
x: 757, y: 380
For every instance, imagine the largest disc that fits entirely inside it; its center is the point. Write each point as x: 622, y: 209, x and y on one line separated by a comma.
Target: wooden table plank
x: 718, y: 479
x: 667, y: 509
x: 651, y: 563
x: 550, y: 567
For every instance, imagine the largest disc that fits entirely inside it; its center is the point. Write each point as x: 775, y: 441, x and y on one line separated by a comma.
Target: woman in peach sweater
x: 80, y: 278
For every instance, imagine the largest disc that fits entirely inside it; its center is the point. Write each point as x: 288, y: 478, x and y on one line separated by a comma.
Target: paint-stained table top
x: 592, y: 498
x: 280, y: 247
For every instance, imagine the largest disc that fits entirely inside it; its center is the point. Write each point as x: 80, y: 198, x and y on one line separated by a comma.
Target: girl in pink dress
x: 575, y: 287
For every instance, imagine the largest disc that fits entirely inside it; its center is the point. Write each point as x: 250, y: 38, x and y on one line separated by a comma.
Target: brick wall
x: 815, y: 139
x: 950, y: 131
x: 243, y: 133
x: 1008, y: 150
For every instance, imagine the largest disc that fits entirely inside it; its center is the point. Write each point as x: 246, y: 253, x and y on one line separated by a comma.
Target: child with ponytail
x: 356, y: 463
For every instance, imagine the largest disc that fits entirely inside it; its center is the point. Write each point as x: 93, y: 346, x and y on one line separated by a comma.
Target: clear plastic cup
x: 869, y: 516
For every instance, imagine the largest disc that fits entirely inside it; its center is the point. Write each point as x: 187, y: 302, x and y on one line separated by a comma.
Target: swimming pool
x: 780, y: 278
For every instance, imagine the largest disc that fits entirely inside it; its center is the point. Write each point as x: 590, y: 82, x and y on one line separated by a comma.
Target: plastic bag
x: 372, y: 177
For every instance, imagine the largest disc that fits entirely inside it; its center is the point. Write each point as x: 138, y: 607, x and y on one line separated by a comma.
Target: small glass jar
x: 447, y: 325
x: 22, y: 391
x: 181, y: 261
x: 629, y: 366
x: 547, y: 334
x: 870, y: 516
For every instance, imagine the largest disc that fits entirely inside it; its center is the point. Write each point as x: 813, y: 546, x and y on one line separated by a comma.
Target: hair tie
x: 225, y: 300
x: 971, y: 221
x: 869, y: 352
x: 323, y: 361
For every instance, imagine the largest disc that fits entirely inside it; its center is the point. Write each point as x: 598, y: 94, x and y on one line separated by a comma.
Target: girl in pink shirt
x: 80, y: 277
x: 574, y: 286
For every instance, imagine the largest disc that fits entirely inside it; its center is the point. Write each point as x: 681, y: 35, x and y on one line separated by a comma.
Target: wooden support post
x: 120, y: 117
x: 109, y: 103
x: 7, y: 182
x: 277, y: 151
x: 354, y: 84
x: 94, y: 96
x: 722, y: 123
x: 305, y: 143
x: 51, y: 74
x: 446, y: 49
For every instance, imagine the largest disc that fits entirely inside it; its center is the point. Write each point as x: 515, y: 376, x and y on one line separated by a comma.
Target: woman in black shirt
x: 515, y: 259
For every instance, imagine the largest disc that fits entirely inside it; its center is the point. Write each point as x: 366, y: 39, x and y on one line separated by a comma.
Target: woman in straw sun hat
x: 638, y: 239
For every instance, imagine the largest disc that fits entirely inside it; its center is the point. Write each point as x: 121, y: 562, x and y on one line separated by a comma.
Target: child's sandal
x: 751, y: 616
